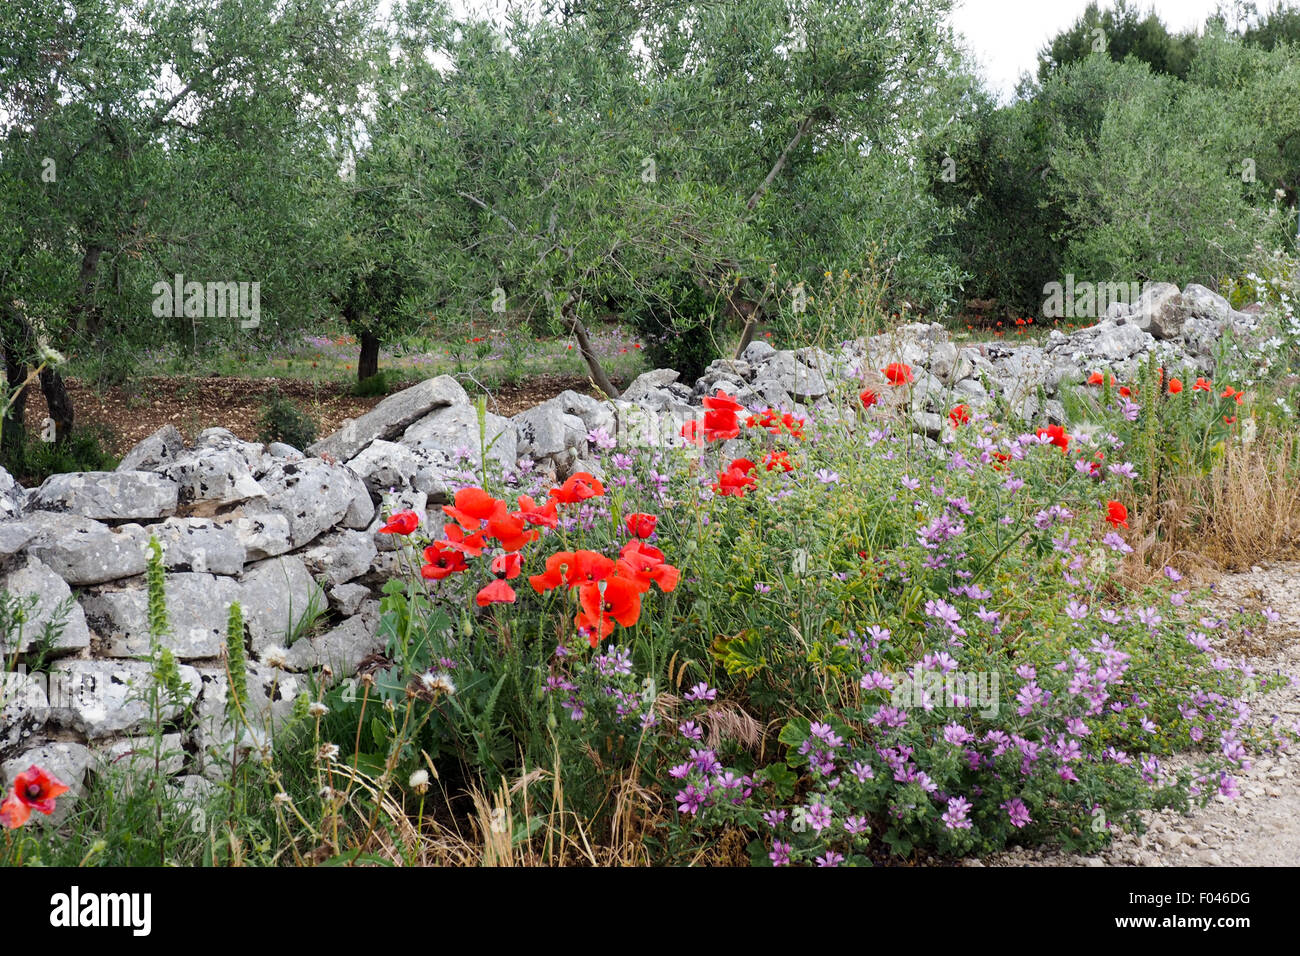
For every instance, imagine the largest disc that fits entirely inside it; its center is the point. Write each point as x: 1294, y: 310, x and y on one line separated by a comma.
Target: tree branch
x: 781, y: 160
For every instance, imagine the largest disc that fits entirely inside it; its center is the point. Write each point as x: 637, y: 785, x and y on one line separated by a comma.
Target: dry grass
x: 489, y: 835
x: 1244, y: 512
x: 1248, y: 506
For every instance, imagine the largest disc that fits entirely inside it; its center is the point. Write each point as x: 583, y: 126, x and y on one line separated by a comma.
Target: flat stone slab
x: 391, y: 417
x: 108, y: 495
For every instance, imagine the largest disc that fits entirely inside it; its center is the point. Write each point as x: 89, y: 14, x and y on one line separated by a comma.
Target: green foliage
x: 372, y: 387
x: 155, y: 577
x: 236, y: 664
x: 1119, y: 32
x: 680, y: 327
x: 283, y: 420
x: 86, y: 449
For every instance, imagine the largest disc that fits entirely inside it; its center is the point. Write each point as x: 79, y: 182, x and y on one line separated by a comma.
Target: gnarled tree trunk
x: 59, y: 402
x: 598, y: 375
x: 368, y: 362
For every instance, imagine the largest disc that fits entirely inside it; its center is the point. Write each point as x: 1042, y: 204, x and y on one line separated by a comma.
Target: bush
x: 801, y: 609
x: 86, y: 449
x: 375, y: 385
x: 680, y: 326
x: 283, y: 421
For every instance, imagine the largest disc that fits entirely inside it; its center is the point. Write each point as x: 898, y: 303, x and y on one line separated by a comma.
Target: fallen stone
x: 347, y: 599
x: 221, y: 475
x: 315, y: 496
x: 198, y: 607
x: 155, y: 452
x: 652, y: 381
x: 343, y: 648
x: 391, y: 417
x: 24, y: 708
x: 275, y: 596
x: 339, y: 556
x: 385, y: 465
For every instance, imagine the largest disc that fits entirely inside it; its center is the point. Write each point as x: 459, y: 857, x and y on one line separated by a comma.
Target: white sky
x: 1006, y: 35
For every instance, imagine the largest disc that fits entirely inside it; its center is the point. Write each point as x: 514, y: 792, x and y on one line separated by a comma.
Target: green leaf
x: 793, y: 735
x: 782, y: 778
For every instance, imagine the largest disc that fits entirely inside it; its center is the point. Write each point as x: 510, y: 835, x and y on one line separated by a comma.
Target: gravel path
x: 1261, y: 827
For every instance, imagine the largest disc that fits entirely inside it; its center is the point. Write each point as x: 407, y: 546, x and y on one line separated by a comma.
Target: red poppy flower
x: 612, y: 599
x: 533, y: 513
x: 691, y: 432
x: 1124, y: 391
x: 508, y: 565
x: 441, y: 561
x: 457, y: 539
x: 721, y: 401
x: 641, y: 524
x: 588, y: 567
x: 509, y: 529
x: 1175, y: 386
x: 642, y: 564
x: 868, y: 398
x: 720, y: 425
x: 897, y: 373
x: 736, y: 479
x: 1095, y: 379
x: 1228, y: 392
x: 778, y: 459
x: 13, y: 813
x: 1203, y: 386
x: 1116, y: 514
x: 402, y: 522
x: 959, y: 415
x: 596, y: 629
x: 556, y: 566
x: 1229, y: 419
x: 496, y: 592
x: 471, y: 507
x: 794, y: 426
x: 1057, y: 436
x: 580, y: 486
x: 37, y: 789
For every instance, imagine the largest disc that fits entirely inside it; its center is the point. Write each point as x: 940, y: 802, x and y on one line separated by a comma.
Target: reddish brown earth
x: 135, y: 410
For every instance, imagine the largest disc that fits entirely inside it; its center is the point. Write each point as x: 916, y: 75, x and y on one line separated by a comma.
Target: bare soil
x: 132, y: 412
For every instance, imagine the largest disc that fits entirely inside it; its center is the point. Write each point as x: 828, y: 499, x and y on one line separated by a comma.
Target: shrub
x: 679, y: 324
x: 86, y: 449
x: 827, y: 587
x: 375, y: 385
x: 282, y: 420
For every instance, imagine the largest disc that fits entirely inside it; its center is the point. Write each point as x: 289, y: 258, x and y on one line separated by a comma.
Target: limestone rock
x: 198, y: 607
x: 108, y: 495
x: 53, y: 604
x: 391, y: 417
x: 106, y: 698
